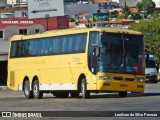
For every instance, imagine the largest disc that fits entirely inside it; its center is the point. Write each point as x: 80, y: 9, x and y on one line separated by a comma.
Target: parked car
x: 151, y: 70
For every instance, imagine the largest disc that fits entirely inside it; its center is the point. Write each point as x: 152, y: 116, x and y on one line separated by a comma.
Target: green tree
x: 114, y: 14
x: 125, y: 13
x: 72, y: 20
x: 146, y: 5
x: 139, y: 6
x: 151, y: 30
x: 136, y: 16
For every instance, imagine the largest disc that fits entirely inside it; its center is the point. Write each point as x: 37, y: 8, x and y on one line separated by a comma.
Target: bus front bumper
x: 117, y: 86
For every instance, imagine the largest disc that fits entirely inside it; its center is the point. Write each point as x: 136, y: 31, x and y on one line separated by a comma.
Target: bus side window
x: 70, y: 44
x: 52, y: 45
x: 13, y: 49
x: 64, y: 44
x: 46, y: 46
x: 57, y: 45
x: 32, y: 48
x: 80, y: 42
x: 40, y: 47
x: 25, y: 48
x: 50, y: 50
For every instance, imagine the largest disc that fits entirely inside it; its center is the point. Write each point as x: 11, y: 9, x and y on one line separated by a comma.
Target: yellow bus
x: 77, y: 62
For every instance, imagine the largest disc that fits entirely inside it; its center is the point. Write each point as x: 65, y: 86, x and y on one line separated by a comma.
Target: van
x: 151, y: 70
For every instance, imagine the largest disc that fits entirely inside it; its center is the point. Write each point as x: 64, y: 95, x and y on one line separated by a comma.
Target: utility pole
x: 125, y: 4
x: 46, y: 18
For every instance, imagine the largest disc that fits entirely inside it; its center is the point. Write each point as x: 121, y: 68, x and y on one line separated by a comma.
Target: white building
x: 132, y: 3
x: 15, y: 1
x: 129, y: 3
x: 115, y: 1
x: 3, y: 3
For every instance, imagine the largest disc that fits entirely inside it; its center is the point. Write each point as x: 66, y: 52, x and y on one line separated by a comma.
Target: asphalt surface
x: 148, y: 101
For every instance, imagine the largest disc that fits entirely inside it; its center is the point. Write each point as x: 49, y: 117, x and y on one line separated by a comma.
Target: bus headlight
x: 105, y: 78
x: 140, y: 80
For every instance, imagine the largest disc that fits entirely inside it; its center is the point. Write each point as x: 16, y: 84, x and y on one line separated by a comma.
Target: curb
x: 3, y: 88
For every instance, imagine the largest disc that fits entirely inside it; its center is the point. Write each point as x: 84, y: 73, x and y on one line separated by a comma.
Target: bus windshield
x: 121, y: 53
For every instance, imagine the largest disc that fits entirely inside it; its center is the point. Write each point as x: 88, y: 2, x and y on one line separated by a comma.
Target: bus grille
x: 129, y: 79
x: 12, y: 78
x: 124, y: 79
x: 118, y: 78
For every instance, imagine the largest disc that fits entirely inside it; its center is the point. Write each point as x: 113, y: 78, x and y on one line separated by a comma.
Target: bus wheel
x: 74, y: 94
x: 61, y: 94
x: 123, y: 94
x: 36, y: 92
x: 27, y: 92
x: 85, y: 93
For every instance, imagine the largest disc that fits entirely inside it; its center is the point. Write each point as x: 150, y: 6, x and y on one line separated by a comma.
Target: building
x: 129, y: 3
x: 16, y: 1
x: 115, y: 1
x: 11, y: 9
x: 133, y: 3
x: 23, y: 25
x: 108, y: 6
x: 74, y: 9
x: 15, y: 26
x: 3, y: 3
x: 7, y: 15
x: 122, y: 23
x: 102, y: 1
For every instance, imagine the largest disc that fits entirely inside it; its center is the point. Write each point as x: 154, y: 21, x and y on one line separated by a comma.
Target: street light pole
x: 125, y: 4
x: 46, y: 18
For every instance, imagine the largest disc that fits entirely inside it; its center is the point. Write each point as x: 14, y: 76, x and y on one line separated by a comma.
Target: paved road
x: 148, y: 101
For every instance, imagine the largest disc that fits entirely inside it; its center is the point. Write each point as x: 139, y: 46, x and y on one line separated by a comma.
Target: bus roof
x: 73, y: 31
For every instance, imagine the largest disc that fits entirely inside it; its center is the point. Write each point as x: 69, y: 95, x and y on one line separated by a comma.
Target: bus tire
x: 123, y: 94
x: 36, y: 92
x: 27, y: 92
x: 85, y: 93
x: 74, y: 94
